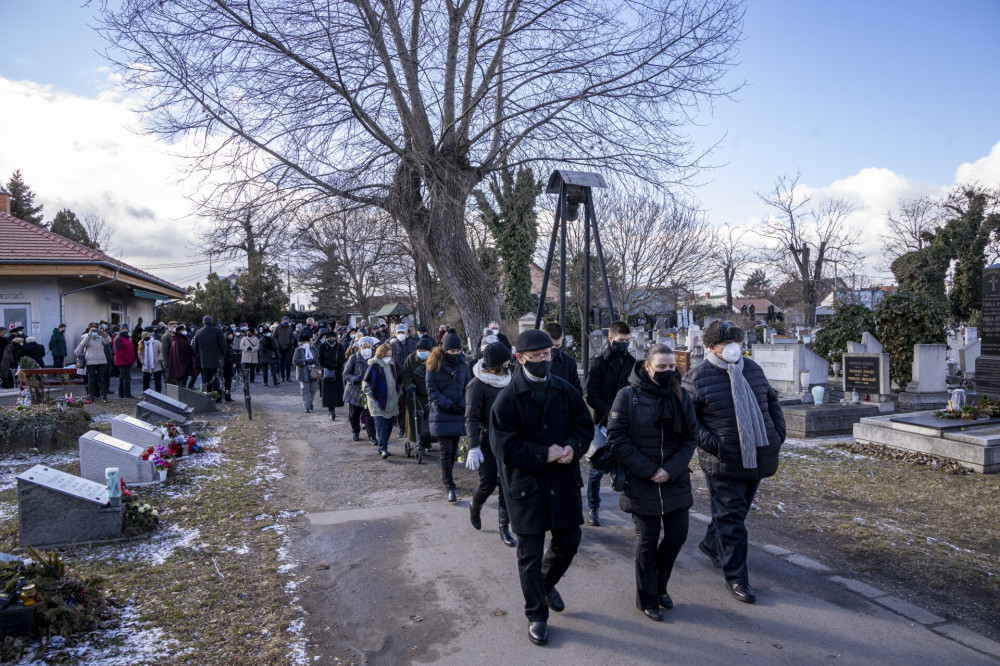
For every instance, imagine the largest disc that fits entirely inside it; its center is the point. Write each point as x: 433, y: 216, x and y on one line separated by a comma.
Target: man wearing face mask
x: 608, y: 374
x: 651, y: 431
x: 740, y: 432
x: 539, y: 427
x: 402, y: 346
x: 563, y: 363
x: 415, y: 393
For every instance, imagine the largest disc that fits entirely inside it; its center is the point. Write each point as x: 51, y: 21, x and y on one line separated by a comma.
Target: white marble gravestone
x: 137, y: 431
x: 56, y: 508
x: 99, y: 451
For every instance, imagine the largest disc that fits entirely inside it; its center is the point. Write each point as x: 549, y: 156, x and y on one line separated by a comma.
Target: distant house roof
x: 760, y: 305
x: 393, y: 310
x: 28, y: 245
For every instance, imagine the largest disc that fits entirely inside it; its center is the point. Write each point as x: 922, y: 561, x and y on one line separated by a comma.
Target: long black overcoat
x: 541, y: 496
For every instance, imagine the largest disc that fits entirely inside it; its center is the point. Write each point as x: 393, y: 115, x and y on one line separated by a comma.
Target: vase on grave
x: 818, y: 392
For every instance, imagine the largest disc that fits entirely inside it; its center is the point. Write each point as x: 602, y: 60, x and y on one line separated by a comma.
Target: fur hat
x: 488, y: 339
x: 532, y: 340
x: 451, y: 341
x: 721, y: 332
x: 495, y: 355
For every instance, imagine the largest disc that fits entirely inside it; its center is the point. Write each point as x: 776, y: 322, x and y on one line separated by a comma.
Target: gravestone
x: 683, y: 360
x: 137, y: 432
x: 56, y: 508
x: 694, y: 337
x: 868, y: 374
x: 181, y: 410
x: 988, y: 364
x: 99, y: 451
x: 967, y: 356
x: 928, y: 389
x: 147, y: 411
x: 197, y: 401
x: 783, y: 365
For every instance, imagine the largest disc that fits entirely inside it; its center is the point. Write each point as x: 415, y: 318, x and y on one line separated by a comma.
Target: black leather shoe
x: 356, y: 437
x: 507, y: 538
x: 555, y: 600
x: 594, y: 517
x: 743, y: 592
x: 712, y: 555
x: 653, y: 614
x: 538, y: 633
x: 666, y: 601
x: 452, y: 497
x: 384, y: 454
x: 475, y: 515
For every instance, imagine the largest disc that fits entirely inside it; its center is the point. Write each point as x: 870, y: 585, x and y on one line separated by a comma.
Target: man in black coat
x: 608, y: 374
x: 563, y: 363
x: 210, y: 345
x: 540, y: 427
x: 740, y: 432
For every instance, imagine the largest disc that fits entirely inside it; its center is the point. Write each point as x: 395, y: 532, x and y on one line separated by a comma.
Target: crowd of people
x: 526, y: 417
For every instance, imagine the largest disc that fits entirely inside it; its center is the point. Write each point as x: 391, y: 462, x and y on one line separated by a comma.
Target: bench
x: 56, y: 377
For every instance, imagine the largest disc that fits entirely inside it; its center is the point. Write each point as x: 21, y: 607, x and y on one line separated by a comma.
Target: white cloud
x: 87, y: 154
x: 984, y: 171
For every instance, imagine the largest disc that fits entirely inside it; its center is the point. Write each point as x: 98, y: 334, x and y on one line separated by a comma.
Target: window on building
x: 117, y: 312
x: 14, y: 315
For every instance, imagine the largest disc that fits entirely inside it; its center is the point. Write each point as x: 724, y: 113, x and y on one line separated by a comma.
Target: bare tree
x: 100, y: 233
x: 909, y: 224
x: 350, y: 257
x: 730, y: 255
x: 652, y: 240
x: 807, y: 237
x: 408, y: 104
x: 246, y: 220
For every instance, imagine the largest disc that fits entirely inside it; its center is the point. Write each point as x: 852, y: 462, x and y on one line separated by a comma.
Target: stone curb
x: 935, y: 623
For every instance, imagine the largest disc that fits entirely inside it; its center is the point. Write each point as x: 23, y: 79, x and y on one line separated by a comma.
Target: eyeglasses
x: 543, y: 355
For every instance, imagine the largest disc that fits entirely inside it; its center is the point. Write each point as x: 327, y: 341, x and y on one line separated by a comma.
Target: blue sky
x: 874, y: 100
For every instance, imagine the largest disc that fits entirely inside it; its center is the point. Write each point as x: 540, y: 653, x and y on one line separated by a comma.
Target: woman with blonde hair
x: 447, y: 375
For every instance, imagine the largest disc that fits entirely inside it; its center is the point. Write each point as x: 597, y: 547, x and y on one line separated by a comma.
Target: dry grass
x: 219, y: 594
x: 924, y: 526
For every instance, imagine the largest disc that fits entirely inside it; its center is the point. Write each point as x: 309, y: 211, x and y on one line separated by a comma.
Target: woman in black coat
x: 740, y: 432
x: 491, y: 374
x: 331, y: 359
x: 651, y: 430
x: 447, y: 375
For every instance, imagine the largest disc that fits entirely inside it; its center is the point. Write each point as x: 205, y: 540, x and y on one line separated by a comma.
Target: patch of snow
x: 153, y: 551
x: 20, y: 461
x: 102, y: 418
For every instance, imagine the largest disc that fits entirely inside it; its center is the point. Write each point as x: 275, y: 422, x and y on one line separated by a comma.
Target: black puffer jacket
x: 650, y: 429
x: 718, y: 435
x: 608, y: 374
x: 446, y: 394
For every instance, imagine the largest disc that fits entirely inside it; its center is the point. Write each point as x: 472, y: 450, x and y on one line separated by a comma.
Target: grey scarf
x: 749, y: 420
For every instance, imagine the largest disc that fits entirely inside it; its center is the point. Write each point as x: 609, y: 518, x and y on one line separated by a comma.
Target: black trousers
x: 449, y: 451
x: 227, y: 378
x: 156, y: 377
x: 727, y: 533
x: 540, y: 574
x: 210, y: 381
x: 488, y: 479
x: 654, y: 559
x: 354, y: 416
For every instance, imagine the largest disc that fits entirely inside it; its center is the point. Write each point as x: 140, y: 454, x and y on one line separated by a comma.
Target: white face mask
x: 401, y: 337
x: 731, y: 352
x: 366, y: 353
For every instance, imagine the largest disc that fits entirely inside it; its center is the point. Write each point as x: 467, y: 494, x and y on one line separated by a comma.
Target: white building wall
x: 41, y: 295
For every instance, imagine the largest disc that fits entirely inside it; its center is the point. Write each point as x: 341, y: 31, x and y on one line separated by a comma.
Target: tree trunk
x: 425, y: 290
x: 437, y: 232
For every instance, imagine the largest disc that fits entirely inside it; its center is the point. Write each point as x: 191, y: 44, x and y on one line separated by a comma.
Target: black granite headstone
x: 988, y: 365
x: 861, y: 373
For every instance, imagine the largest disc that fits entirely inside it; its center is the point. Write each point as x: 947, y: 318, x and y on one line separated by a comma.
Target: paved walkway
x: 409, y: 580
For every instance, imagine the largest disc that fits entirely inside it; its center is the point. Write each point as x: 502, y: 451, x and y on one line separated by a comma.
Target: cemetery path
x: 390, y: 573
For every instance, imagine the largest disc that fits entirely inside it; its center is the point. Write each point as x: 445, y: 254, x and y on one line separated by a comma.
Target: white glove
x: 474, y: 458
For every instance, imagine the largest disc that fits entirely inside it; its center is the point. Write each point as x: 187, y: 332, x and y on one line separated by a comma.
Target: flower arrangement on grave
x: 65, y: 603
x: 161, y: 463
x: 214, y: 395
x: 140, y: 518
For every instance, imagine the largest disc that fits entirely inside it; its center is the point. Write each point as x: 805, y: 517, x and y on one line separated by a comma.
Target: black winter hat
x: 425, y: 343
x: 721, y: 332
x: 451, y: 341
x: 532, y: 340
x: 502, y: 337
x: 495, y: 355
x: 421, y: 329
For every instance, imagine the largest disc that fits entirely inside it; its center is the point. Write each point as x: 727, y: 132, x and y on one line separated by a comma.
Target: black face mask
x: 452, y: 359
x: 538, y: 368
x: 666, y: 377
x: 555, y: 352
x: 619, y: 347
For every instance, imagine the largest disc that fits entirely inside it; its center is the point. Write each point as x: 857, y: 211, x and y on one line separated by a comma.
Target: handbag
x: 315, y: 374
